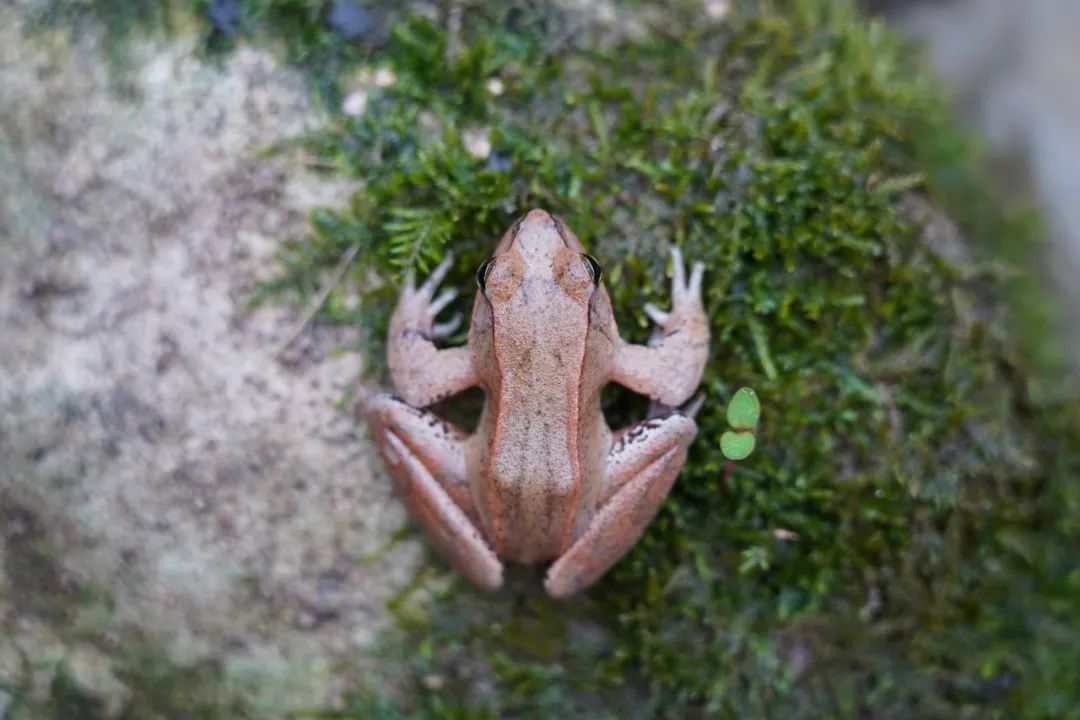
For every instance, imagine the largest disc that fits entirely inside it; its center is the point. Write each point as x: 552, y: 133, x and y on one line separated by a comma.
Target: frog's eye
x: 482, y: 273
x: 595, y: 272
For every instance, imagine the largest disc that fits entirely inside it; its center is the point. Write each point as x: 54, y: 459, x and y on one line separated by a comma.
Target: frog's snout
x: 539, y: 238
x: 539, y: 217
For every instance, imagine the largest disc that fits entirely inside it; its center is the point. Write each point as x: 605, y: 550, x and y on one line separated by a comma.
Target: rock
x: 177, y: 474
x: 90, y: 671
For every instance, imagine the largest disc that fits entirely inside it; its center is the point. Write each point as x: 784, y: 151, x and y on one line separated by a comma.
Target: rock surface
x: 164, y: 479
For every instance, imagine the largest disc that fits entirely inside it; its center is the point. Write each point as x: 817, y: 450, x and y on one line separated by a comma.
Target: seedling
x: 743, y: 413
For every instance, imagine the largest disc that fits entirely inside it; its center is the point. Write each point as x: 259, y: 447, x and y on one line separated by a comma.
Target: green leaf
x: 744, y: 410
x: 737, y: 445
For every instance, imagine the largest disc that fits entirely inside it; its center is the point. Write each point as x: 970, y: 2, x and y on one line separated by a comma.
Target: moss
x: 898, y: 545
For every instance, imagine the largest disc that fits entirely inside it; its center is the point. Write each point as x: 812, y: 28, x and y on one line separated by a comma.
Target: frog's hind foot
x: 639, y: 471
x: 425, y: 456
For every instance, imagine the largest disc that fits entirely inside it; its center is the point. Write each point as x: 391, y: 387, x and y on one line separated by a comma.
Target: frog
x: 542, y: 478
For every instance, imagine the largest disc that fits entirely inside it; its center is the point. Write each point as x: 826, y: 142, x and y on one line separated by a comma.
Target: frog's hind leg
x: 639, y: 471
x: 426, y: 458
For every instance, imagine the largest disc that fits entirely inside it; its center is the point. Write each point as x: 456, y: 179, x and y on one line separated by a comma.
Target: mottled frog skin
x: 543, y: 478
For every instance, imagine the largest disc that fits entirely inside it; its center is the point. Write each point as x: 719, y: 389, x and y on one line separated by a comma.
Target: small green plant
x: 742, y: 414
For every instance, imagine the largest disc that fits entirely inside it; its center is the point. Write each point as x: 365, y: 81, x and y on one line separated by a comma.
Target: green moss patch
x: 865, y: 560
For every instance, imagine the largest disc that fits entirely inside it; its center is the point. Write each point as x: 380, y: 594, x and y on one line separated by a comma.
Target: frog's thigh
x: 425, y: 456
x: 639, y: 472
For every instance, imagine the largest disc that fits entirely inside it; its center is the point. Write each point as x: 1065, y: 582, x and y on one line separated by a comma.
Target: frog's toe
x: 691, y: 407
x: 657, y: 315
x: 697, y: 274
x: 678, y: 267
x: 443, y: 330
x: 437, y: 276
x: 444, y: 298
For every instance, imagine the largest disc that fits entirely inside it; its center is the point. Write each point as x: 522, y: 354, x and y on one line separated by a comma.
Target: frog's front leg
x: 639, y: 471
x: 423, y: 373
x: 426, y: 457
x: 669, y: 368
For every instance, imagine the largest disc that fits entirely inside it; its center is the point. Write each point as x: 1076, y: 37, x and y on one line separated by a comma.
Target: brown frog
x: 543, y: 478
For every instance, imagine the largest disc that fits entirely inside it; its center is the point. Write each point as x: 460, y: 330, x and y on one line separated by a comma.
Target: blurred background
x: 1013, y: 70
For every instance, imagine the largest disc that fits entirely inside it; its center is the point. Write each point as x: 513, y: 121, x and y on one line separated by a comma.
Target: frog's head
x: 536, y: 295
x: 542, y: 260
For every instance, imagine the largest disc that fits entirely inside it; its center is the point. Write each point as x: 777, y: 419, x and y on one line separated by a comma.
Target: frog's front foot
x: 685, y: 298
x: 418, y: 306
x: 422, y: 372
x: 668, y: 369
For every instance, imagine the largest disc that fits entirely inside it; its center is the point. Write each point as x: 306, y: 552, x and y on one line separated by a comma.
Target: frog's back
x: 534, y: 474
x: 538, y: 291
